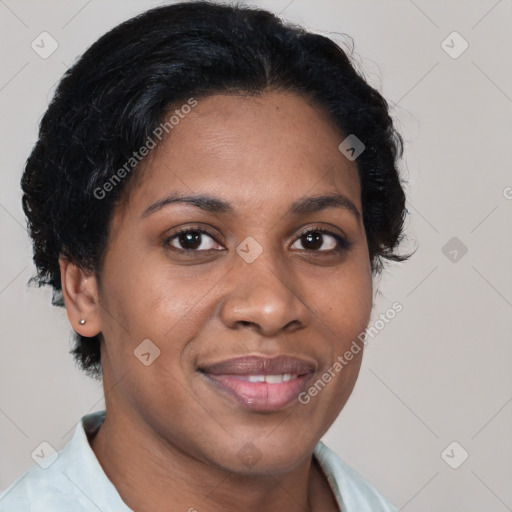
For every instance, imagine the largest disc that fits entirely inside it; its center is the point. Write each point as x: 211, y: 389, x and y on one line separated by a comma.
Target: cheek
x: 142, y: 297
x: 346, y: 303
x: 344, y: 309
x: 154, y: 302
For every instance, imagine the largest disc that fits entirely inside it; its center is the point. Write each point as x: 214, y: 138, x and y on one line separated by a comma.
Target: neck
x: 152, y: 474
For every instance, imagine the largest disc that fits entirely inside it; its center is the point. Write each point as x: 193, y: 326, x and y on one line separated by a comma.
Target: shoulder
x: 70, y: 480
x: 354, y: 493
x: 39, y: 490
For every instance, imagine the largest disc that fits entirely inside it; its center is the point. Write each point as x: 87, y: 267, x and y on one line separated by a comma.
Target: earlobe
x: 80, y: 292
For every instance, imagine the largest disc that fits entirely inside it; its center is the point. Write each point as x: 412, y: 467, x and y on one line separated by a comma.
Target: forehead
x: 250, y: 150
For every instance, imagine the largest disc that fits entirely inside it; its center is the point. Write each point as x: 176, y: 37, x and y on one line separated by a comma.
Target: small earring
x: 82, y: 322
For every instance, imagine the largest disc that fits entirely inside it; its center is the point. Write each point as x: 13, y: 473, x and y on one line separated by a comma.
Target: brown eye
x: 193, y: 240
x: 319, y: 240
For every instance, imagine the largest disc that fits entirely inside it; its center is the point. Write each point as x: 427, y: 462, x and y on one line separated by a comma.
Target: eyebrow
x: 207, y: 203
x: 317, y: 203
x: 214, y: 205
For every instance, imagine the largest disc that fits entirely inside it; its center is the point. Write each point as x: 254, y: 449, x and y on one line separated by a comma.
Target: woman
x: 210, y: 197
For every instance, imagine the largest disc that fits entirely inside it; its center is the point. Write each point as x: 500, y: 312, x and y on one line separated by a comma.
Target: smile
x: 260, y: 383
x: 269, y: 379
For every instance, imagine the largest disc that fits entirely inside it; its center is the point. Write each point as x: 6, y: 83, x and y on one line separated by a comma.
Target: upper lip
x: 260, y: 365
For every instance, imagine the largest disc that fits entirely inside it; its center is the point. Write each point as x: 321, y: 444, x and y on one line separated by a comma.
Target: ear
x: 80, y: 291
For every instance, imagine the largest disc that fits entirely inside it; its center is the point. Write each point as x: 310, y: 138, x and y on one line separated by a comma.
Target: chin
x: 260, y: 457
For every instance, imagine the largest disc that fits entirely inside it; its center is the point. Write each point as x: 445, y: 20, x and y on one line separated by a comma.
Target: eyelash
x: 342, y: 243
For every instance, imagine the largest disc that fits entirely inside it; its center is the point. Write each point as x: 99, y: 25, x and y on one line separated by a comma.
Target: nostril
x: 246, y: 323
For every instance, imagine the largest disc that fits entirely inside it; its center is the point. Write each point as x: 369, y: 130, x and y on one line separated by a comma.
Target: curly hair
x: 113, y: 97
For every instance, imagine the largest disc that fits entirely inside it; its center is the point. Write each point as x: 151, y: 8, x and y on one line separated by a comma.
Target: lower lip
x: 260, y: 396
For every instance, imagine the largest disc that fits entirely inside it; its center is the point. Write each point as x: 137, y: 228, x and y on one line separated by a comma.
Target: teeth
x: 256, y: 378
x: 271, y: 379
x: 274, y: 379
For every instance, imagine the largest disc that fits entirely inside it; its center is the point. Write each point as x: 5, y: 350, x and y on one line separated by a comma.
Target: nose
x: 263, y: 296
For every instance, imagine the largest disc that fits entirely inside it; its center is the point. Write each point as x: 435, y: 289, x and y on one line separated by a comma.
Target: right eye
x: 192, y: 240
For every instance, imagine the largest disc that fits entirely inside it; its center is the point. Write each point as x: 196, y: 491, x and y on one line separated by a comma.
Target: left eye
x: 318, y: 240
x: 192, y: 240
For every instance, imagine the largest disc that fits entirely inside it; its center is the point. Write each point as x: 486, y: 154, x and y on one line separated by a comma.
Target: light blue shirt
x: 74, y: 481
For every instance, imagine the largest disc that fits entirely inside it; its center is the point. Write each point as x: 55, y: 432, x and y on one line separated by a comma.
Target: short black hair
x: 112, y: 99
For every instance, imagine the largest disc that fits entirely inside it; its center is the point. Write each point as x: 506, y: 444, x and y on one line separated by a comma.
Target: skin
x: 167, y: 429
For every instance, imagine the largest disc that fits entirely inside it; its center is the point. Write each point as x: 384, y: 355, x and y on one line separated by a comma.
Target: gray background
x: 440, y: 370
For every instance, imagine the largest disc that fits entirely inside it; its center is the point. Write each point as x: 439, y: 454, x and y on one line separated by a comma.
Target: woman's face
x: 259, y: 268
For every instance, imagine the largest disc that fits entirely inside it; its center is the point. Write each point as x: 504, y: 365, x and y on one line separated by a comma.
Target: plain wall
x: 440, y: 370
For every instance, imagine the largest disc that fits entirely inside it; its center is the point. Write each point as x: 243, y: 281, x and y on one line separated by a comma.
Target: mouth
x: 260, y: 383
